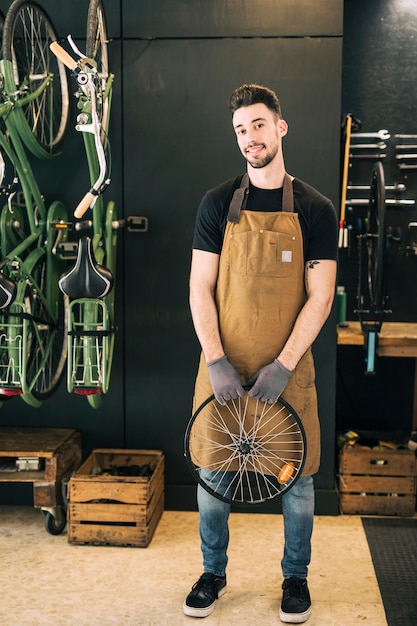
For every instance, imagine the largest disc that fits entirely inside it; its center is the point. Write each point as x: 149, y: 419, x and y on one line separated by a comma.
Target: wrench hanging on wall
x: 382, y: 135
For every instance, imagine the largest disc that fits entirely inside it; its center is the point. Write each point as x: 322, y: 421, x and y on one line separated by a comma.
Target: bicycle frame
x: 24, y: 256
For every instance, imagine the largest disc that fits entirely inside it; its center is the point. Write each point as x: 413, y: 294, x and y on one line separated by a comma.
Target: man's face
x: 258, y: 133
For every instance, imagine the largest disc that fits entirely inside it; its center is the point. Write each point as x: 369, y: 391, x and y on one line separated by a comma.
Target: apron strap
x: 240, y: 198
x: 288, y: 195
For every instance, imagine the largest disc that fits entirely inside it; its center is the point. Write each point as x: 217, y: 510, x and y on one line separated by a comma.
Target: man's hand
x: 225, y: 380
x: 269, y: 382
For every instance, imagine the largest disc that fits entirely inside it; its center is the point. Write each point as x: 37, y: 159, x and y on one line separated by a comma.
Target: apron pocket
x: 261, y: 253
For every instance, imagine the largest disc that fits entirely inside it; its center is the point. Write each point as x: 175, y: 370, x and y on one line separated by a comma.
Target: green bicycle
x: 91, y: 324
x: 34, y: 109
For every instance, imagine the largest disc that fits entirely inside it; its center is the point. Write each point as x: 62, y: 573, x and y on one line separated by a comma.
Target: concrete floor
x: 45, y: 581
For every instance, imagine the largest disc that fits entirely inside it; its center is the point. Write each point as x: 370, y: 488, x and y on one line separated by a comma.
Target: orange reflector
x: 87, y: 391
x: 285, y: 473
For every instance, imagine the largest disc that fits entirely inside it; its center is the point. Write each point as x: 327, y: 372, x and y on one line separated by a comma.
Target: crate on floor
x: 377, y: 482
x: 110, y: 503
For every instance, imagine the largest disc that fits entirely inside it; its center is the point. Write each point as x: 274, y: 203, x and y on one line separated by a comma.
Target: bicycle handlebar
x: 63, y: 56
x: 86, y: 82
x: 84, y: 204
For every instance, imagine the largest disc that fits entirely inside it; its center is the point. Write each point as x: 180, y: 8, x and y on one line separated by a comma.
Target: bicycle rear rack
x: 90, y: 340
x: 12, y: 349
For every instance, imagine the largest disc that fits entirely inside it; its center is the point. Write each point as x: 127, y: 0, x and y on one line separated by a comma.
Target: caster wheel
x: 55, y: 525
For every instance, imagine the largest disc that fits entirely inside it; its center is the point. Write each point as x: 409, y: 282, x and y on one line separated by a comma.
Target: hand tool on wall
x: 388, y: 201
x: 379, y: 145
x: 408, y: 166
x: 382, y: 135
x: 395, y: 187
x: 377, y: 156
x: 343, y: 231
x: 406, y: 157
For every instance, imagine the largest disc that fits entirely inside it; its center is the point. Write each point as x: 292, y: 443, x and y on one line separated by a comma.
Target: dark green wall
x: 176, y: 63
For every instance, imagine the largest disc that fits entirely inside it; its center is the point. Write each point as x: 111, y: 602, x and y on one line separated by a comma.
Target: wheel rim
x: 247, y: 451
x: 375, y: 239
x: 26, y: 37
x: 96, y: 48
x: 46, y: 338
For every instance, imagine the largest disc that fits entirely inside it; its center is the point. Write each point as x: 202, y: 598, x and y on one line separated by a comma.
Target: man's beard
x: 258, y: 164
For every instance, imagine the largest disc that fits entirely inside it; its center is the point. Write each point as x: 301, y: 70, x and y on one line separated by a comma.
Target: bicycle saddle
x: 8, y: 291
x: 86, y: 279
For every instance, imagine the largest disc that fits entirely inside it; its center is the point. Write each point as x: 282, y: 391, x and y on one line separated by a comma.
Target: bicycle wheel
x: 33, y: 334
x: 376, y: 239
x: 247, y: 451
x: 96, y: 48
x: 27, y: 33
x: 46, y: 335
x: 1, y: 25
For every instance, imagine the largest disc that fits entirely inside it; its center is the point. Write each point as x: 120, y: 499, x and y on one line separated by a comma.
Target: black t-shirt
x: 317, y: 216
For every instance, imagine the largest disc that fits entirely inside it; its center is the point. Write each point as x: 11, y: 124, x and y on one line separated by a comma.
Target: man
x: 262, y: 284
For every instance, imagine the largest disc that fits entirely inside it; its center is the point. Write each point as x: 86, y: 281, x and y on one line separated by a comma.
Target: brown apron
x: 261, y: 286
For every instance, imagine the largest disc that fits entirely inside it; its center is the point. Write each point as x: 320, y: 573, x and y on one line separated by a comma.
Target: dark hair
x: 246, y: 95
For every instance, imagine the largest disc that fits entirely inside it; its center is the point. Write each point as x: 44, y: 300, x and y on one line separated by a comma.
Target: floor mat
x: 393, y: 546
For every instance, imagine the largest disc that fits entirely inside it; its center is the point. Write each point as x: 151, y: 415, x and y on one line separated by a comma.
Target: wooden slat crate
x: 377, y: 482
x: 117, y: 510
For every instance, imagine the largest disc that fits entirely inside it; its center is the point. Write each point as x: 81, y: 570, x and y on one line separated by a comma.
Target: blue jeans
x: 298, y: 512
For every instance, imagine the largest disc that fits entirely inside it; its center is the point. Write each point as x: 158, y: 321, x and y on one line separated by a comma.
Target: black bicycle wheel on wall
x: 376, y: 242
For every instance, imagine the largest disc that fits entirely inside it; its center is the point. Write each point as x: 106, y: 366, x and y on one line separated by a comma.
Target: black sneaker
x: 296, y: 603
x: 202, y: 597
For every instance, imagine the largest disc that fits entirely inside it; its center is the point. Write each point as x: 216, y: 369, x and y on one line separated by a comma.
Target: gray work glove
x: 225, y: 380
x: 269, y: 382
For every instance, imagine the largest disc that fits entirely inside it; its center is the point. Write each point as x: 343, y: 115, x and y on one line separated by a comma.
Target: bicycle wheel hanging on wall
x: 247, y: 451
x: 27, y: 33
x: 96, y: 48
x: 33, y: 349
x: 376, y: 243
x: 373, y: 251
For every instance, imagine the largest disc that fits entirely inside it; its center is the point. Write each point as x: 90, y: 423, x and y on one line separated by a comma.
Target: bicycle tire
x: 27, y: 33
x: 1, y: 25
x: 96, y: 49
x: 376, y: 239
x: 46, y: 336
x: 246, y: 452
x: 35, y: 337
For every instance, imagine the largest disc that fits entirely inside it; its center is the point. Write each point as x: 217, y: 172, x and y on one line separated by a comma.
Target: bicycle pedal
x: 67, y: 250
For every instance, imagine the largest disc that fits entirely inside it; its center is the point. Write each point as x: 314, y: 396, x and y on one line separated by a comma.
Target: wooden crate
x: 116, y: 510
x: 377, y: 482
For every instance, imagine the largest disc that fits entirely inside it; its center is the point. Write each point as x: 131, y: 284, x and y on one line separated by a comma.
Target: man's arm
x: 224, y: 378
x: 320, y: 278
x: 203, y: 280
x: 320, y: 281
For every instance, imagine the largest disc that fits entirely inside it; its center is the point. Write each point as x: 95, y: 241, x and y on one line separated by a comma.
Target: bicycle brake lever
x: 84, y: 60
